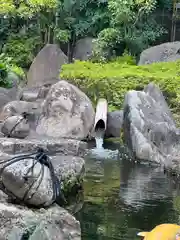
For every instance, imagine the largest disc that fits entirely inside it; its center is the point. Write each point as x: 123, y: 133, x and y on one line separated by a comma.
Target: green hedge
x: 112, y: 80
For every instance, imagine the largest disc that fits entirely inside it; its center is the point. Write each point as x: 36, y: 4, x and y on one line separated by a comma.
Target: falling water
x: 99, y: 138
x: 99, y: 142
x: 99, y: 152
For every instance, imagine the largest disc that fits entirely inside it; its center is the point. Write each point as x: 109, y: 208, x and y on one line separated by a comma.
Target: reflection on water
x: 122, y: 198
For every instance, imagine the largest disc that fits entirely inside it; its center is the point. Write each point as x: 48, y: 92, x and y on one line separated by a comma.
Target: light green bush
x: 112, y: 80
x: 6, y: 67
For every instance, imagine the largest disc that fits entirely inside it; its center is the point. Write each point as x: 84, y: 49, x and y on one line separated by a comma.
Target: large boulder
x: 67, y: 113
x: 149, y: 129
x: 114, y: 123
x: 83, y: 49
x: 17, y: 223
x: 46, y: 66
x: 31, y: 182
x: 165, y: 52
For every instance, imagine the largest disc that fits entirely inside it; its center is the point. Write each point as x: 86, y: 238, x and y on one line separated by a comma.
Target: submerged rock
x: 149, y: 129
x: 17, y: 223
x: 67, y: 113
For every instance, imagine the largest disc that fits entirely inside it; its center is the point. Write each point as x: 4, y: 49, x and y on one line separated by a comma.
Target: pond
x: 122, y: 198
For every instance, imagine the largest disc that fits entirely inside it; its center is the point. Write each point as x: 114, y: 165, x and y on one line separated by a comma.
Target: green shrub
x: 21, y: 50
x: 4, y: 75
x: 9, y: 72
x: 112, y: 80
x: 18, y: 71
x: 11, y: 67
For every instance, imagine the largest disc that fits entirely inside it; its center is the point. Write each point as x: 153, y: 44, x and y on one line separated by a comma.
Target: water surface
x: 122, y: 198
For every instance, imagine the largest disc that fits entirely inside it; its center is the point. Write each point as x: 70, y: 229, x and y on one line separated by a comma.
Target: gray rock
x: 10, y: 94
x: 53, y: 145
x: 18, y: 107
x: 13, y: 78
x: 4, y: 99
x: 161, y: 53
x: 7, y: 95
x: 83, y: 49
x: 33, y: 109
x: 67, y: 113
x: 114, y: 123
x: 33, y: 185
x: 32, y: 94
x: 149, y: 130
x: 173, y: 58
x: 46, y: 66
x: 3, y: 197
x: 53, y: 224
x: 16, y: 127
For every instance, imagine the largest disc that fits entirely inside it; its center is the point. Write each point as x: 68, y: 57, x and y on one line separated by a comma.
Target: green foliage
x: 25, y: 8
x: 18, y: 71
x: 9, y: 66
x: 20, y: 50
x: 4, y: 75
x: 112, y: 80
x: 83, y: 17
x: 3, y: 71
x: 62, y: 35
x: 131, y: 26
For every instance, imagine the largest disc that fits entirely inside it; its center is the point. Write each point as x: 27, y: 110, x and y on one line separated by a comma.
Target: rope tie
x: 38, y: 157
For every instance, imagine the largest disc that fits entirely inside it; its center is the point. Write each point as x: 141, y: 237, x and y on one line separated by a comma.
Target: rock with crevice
x: 55, y: 223
x: 66, y: 113
x: 149, y: 129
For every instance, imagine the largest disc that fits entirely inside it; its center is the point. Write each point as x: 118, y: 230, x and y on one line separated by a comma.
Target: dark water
x: 122, y: 198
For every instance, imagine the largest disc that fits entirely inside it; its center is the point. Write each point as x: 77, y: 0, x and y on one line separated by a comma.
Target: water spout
x: 100, y: 122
